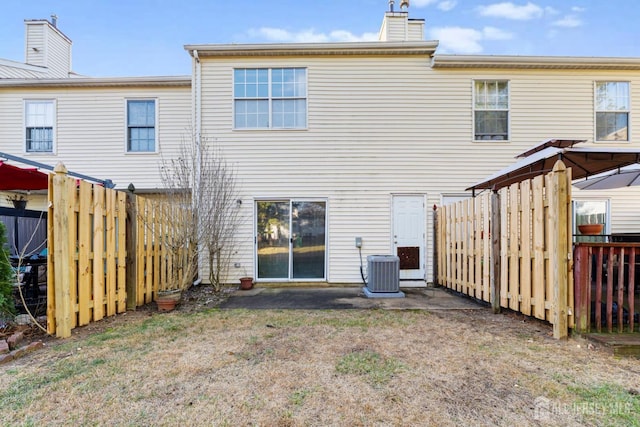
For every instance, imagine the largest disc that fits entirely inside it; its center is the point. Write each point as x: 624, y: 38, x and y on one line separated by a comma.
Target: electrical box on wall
x: 358, y: 242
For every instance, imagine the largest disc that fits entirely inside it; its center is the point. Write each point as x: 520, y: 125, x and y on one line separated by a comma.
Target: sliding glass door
x: 291, y: 239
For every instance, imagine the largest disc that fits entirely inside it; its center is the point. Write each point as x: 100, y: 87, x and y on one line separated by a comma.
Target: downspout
x: 197, y: 129
x: 197, y: 122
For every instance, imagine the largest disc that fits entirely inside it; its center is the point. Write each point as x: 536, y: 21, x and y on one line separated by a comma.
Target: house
x: 111, y: 128
x: 338, y: 143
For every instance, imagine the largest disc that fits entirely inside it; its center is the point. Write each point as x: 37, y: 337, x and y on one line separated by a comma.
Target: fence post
x: 435, y: 245
x: 558, y: 213
x: 131, y: 245
x: 495, y: 252
x: 63, y: 254
x: 581, y: 279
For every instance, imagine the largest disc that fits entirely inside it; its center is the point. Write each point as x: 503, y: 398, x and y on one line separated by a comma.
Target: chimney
x: 397, y: 26
x: 46, y: 46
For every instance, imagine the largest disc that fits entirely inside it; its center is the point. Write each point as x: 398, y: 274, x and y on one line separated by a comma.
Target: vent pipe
x: 54, y: 20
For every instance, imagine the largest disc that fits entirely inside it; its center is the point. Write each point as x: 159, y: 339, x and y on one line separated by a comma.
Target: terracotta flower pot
x: 246, y: 283
x: 590, y: 229
x: 167, y: 300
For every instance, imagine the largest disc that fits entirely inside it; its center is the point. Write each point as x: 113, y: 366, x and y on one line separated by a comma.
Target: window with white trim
x: 270, y: 98
x: 612, y: 111
x: 141, y: 125
x: 491, y: 110
x: 39, y: 119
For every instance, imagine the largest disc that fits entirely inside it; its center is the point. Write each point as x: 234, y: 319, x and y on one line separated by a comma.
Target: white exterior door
x: 409, y: 235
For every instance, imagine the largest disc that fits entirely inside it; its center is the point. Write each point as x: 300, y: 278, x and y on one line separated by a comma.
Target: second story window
x: 39, y: 118
x: 491, y: 110
x: 270, y: 98
x: 612, y: 111
x: 141, y: 125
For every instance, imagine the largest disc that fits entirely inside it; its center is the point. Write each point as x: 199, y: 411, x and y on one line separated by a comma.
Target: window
x: 141, y: 125
x: 270, y: 98
x: 590, y: 212
x: 39, y: 121
x: 491, y: 110
x: 612, y: 111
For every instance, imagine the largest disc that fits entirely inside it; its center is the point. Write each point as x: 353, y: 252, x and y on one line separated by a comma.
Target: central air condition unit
x: 384, y: 273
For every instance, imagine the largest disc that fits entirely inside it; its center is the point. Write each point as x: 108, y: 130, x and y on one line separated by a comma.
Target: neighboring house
x: 110, y: 128
x: 335, y: 141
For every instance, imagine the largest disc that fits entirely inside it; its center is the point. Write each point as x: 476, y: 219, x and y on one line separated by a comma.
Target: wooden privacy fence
x: 106, y: 252
x: 512, y: 248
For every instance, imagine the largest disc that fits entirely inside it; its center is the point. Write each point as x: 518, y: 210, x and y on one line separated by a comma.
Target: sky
x: 147, y: 37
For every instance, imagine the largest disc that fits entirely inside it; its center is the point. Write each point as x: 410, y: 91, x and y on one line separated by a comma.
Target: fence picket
x: 525, y: 248
x: 85, y: 268
x: 98, y: 252
x: 538, y: 271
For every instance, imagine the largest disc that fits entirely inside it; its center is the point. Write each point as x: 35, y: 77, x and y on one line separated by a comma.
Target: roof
x: 427, y: 48
x: 535, y: 62
x: 552, y: 142
x: 18, y: 70
x: 584, y: 162
x: 99, y: 82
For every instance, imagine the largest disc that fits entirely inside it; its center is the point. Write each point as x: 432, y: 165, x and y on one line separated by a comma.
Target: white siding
x: 416, y: 30
x: 59, y: 54
x: 380, y: 126
x: 35, y: 44
x: 90, y: 133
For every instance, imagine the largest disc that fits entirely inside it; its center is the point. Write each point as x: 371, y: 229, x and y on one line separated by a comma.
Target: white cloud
x: 447, y: 5
x: 492, y: 33
x: 421, y: 3
x: 578, y: 9
x: 308, y: 36
x: 569, y: 21
x: 548, y: 10
x: 509, y: 10
x: 466, y: 40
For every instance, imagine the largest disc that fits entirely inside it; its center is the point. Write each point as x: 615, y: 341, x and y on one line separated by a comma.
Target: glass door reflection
x: 273, y: 239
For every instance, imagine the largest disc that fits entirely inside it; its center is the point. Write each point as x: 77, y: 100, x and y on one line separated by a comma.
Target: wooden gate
x: 512, y: 248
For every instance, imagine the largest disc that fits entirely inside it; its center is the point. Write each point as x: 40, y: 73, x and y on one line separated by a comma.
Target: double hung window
x: 270, y: 98
x: 612, y: 111
x: 141, y: 125
x: 39, y: 125
x: 491, y: 110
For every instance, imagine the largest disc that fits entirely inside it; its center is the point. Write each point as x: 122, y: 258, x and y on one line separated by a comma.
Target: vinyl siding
x: 90, y: 132
x: 35, y: 44
x: 58, y: 54
x: 379, y: 126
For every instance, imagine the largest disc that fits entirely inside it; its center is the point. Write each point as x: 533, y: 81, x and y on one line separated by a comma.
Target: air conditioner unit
x: 384, y: 273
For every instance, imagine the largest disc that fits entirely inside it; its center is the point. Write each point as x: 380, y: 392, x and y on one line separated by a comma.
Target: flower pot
x: 167, y: 300
x: 590, y: 229
x: 246, y: 283
x: 19, y: 204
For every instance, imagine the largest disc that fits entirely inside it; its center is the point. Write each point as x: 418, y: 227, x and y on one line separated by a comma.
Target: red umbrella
x: 15, y: 178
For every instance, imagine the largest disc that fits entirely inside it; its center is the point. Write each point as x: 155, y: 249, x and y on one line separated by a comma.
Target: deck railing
x: 606, y: 278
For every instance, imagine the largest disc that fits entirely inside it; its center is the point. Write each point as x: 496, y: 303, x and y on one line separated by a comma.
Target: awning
x: 15, y: 178
x: 584, y: 162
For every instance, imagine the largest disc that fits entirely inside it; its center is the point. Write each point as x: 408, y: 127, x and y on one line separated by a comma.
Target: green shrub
x: 7, y: 304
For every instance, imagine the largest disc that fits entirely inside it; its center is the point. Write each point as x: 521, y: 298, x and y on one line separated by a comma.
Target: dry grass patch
x: 299, y: 368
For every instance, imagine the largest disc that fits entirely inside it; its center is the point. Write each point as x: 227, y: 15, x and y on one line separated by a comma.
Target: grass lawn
x: 316, y: 368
